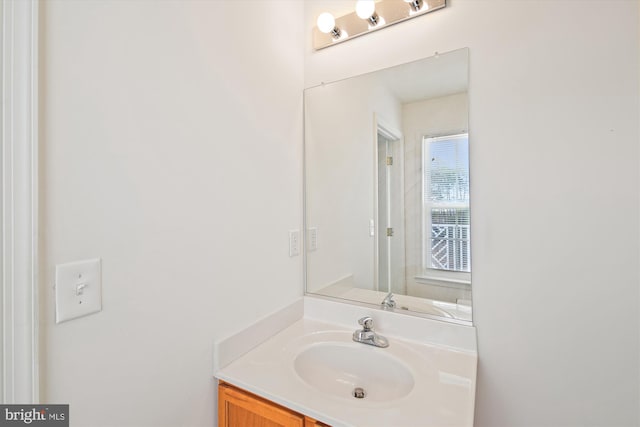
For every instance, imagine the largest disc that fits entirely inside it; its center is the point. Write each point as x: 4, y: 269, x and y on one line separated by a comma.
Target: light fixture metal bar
x: 389, y: 11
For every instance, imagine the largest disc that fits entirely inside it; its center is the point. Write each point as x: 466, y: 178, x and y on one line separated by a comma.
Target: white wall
x: 171, y: 148
x: 554, y: 154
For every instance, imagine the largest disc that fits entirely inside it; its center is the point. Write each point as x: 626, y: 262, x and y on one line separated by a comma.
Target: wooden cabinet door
x: 237, y: 408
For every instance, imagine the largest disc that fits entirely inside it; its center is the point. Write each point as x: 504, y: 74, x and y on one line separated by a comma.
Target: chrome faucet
x: 388, y: 303
x: 367, y: 336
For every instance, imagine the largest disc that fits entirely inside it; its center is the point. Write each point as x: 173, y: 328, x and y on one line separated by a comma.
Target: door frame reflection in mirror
x: 389, y: 237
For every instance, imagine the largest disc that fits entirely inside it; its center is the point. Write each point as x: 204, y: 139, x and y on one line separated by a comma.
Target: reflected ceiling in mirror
x: 387, y: 188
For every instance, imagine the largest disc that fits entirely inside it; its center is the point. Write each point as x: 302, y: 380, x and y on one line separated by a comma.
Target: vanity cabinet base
x: 239, y: 408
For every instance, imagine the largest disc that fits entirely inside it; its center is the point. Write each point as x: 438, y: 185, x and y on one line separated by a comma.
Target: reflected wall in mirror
x: 387, y: 187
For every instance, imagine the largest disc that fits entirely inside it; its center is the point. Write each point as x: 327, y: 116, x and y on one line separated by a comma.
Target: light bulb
x: 365, y: 9
x: 326, y: 22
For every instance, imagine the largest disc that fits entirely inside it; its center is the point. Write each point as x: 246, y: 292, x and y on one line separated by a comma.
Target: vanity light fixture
x: 369, y: 16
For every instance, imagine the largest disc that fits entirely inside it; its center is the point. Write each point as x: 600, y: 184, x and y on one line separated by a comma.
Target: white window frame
x: 430, y: 275
x: 19, y: 203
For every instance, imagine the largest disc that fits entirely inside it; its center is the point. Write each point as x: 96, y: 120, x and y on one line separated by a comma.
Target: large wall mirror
x: 387, y: 187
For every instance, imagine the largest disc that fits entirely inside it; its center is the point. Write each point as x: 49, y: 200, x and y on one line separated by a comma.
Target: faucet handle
x: 388, y: 302
x: 367, y: 323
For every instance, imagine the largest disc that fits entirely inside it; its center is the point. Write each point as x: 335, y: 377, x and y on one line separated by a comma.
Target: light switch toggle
x: 80, y: 288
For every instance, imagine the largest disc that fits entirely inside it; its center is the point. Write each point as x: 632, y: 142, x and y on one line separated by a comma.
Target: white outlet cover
x: 78, y: 289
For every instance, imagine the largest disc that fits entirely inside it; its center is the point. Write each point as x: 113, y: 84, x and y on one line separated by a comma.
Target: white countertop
x: 443, y: 393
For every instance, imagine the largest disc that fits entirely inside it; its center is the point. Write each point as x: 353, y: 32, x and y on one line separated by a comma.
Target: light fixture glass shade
x: 365, y: 8
x: 326, y: 22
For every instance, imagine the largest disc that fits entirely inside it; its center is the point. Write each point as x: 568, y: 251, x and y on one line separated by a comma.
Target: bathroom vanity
x: 312, y: 372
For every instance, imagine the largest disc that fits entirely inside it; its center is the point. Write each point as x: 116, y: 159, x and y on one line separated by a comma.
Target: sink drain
x: 359, y: 393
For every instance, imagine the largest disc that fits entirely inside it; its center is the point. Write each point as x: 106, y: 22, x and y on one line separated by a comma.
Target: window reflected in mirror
x: 446, y: 234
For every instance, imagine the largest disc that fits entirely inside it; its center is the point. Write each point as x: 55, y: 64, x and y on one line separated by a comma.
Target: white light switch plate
x: 78, y: 289
x: 294, y: 243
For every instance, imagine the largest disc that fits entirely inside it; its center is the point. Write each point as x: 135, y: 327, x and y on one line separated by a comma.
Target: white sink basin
x: 313, y: 367
x: 338, y: 368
